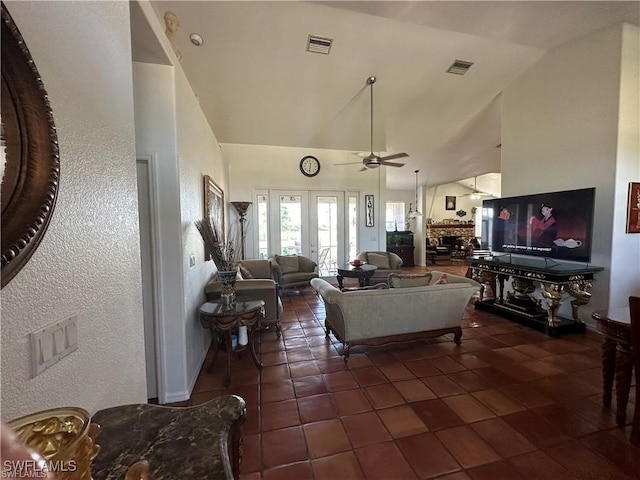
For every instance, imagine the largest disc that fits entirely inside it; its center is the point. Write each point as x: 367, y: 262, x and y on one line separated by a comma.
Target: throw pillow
x: 380, y: 260
x: 238, y: 274
x: 288, y: 263
x: 443, y: 280
x: 403, y: 280
x: 245, y: 272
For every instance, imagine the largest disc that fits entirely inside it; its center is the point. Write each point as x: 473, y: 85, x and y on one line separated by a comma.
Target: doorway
x: 315, y: 224
x: 147, y: 252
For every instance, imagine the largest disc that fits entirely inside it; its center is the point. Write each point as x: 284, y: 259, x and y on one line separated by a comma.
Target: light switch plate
x: 52, y: 343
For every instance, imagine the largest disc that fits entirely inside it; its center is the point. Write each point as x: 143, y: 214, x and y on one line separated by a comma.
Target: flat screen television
x: 553, y: 225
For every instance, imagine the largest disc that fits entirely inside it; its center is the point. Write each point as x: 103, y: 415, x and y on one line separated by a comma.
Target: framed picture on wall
x: 214, y: 204
x: 368, y: 209
x: 633, y: 208
x: 450, y: 202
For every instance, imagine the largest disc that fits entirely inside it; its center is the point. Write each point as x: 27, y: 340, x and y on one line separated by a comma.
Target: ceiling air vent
x: 459, y: 67
x: 318, y: 44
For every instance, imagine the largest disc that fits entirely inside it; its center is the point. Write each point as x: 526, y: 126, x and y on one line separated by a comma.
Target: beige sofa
x: 387, y: 262
x: 381, y: 316
x: 257, y: 284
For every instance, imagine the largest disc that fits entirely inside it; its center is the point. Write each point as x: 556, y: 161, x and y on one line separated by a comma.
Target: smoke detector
x: 196, y: 39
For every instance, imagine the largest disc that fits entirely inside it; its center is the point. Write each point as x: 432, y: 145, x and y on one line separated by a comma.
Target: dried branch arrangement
x: 224, y: 254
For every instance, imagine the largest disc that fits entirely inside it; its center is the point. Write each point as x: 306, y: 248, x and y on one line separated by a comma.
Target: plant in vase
x: 224, y: 254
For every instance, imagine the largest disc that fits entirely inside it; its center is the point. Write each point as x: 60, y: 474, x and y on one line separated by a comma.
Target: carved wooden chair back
x: 634, y: 310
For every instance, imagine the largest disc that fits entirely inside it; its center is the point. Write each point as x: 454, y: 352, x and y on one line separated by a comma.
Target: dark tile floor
x: 510, y: 403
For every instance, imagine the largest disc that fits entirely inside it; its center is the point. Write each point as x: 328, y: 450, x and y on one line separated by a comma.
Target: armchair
x: 387, y: 262
x: 293, y: 271
x: 257, y: 284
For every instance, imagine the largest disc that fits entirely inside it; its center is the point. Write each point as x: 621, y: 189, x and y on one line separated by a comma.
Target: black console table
x: 550, y: 278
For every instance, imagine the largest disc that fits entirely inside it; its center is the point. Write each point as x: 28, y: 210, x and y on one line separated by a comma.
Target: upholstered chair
x: 293, y: 271
x: 257, y: 283
x: 387, y: 262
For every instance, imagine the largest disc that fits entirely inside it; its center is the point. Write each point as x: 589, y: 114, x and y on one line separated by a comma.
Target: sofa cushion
x: 297, y: 278
x: 403, y: 280
x: 380, y: 260
x: 246, y: 274
x: 288, y: 263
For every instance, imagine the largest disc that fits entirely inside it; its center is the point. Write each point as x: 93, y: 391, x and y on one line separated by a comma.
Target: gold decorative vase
x: 65, y: 437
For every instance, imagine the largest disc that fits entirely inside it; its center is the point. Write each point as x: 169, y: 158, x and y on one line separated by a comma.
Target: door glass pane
x: 263, y: 227
x: 327, y: 209
x: 395, y: 216
x: 353, y: 227
x: 290, y: 224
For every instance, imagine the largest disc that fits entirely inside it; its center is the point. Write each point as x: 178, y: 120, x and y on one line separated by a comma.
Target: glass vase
x: 228, y: 295
x: 65, y: 437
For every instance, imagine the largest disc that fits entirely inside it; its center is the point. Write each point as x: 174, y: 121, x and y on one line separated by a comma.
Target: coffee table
x: 221, y: 321
x: 362, y: 272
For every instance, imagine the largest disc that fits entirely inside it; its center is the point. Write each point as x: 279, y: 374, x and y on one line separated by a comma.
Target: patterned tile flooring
x: 510, y: 403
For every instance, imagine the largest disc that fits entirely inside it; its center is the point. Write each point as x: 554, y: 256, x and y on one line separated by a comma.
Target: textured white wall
x: 171, y: 127
x: 88, y: 263
x: 198, y: 155
x: 561, y: 130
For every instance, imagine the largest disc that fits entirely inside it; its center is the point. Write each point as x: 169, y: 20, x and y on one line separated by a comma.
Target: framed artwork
x: 633, y: 208
x: 214, y: 204
x: 450, y: 202
x: 368, y: 209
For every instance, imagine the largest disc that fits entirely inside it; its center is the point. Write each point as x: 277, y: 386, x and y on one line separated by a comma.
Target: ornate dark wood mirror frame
x: 31, y: 170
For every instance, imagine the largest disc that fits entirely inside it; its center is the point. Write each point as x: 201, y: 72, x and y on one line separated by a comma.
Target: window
x: 263, y: 227
x: 395, y: 216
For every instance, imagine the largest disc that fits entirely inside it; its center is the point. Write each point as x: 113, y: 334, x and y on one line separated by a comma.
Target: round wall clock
x: 310, y: 166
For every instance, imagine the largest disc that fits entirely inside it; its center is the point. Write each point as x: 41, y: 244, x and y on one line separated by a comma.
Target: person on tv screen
x: 544, y: 230
x: 500, y: 228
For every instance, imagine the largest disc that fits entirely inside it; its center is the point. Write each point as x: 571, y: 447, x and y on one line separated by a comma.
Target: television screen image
x: 553, y: 225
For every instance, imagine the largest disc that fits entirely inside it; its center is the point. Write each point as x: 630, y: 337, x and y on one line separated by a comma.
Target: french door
x: 310, y: 223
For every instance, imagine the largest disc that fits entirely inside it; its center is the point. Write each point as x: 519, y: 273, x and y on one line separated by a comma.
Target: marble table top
x: 178, y: 442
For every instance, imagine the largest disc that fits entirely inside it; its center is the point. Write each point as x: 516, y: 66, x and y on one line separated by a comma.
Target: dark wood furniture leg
x: 608, y: 370
x: 624, y: 367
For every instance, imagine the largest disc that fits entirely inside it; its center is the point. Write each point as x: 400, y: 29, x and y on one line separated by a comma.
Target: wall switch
x: 192, y: 261
x: 52, y: 343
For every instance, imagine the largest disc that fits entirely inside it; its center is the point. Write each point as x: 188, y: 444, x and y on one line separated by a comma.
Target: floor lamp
x: 242, y: 208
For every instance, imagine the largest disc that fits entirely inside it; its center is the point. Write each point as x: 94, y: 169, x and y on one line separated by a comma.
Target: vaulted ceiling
x: 257, y: 84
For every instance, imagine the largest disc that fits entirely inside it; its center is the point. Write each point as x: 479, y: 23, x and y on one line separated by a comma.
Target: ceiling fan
x: 475, y: 194
x: 372, y: 160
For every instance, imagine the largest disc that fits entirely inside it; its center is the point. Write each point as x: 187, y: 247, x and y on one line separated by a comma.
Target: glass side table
x: 221, y: 321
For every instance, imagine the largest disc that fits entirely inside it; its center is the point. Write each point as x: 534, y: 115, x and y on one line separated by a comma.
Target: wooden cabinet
x: 405, y: 252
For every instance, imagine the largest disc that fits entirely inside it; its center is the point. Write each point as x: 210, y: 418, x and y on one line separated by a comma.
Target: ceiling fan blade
x: 349, y: 163
x: 363, y: 169
x: 391, y: 164
x: 395, y: 155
